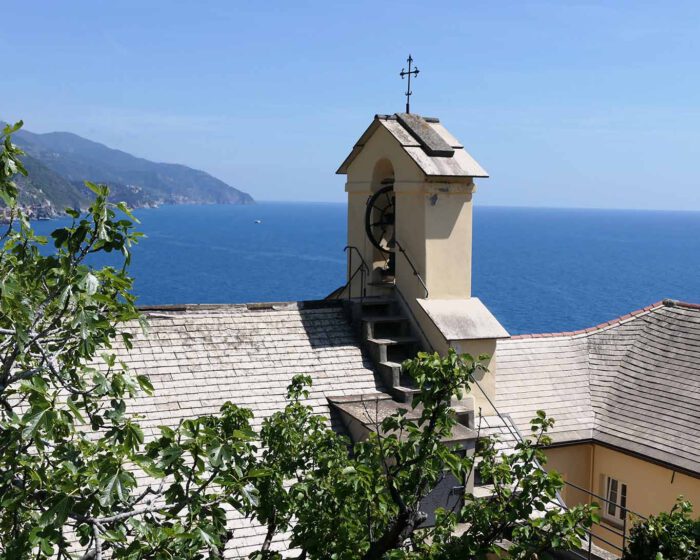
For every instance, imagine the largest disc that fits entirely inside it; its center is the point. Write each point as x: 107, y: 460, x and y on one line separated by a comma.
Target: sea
x: 536, y: 269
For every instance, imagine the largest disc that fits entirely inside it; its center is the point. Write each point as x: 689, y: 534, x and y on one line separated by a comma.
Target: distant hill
x: 45, y: 188
x: 59, y: 162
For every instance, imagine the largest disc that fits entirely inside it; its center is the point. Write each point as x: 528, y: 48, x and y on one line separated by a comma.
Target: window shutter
x: 612, y: 496
x: 623, y: 500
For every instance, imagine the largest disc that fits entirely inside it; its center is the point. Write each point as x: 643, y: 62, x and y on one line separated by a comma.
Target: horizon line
x: 513, y: 206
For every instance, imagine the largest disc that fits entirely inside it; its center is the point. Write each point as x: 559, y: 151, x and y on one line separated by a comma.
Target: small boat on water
x: 258, y: 221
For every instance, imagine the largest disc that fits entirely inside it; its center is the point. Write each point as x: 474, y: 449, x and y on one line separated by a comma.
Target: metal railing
x: 617, y: 531
x: 607, y: 526
x: 362, y: 269
x: 410, y: 263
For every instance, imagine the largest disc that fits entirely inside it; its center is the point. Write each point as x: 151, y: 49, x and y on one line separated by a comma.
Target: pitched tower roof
x: 427, y: 142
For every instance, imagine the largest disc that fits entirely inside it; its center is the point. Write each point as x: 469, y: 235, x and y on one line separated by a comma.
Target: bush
x: 667, y: 536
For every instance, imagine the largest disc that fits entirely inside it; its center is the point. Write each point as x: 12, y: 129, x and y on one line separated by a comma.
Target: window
x: 616, y: 494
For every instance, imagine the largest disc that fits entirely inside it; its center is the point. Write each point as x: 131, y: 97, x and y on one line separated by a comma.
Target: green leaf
x: 99, y: 190
x: 33, y: 422
x: 259, y: 473
x: 74, y: 409
x: 170, y: 455
x: 58, y: 513
x: 46, y: 547
x: 90, y: 284
x: 115, y: 488
x: 145, y: 384
x: 124, y: 208
x: 219, y: 455
x: 208, y: 539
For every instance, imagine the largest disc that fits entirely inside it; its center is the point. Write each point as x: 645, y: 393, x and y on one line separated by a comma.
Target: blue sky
x: 565, y: 103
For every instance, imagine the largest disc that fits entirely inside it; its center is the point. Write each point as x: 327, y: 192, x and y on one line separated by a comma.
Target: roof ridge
x: 612, y: 322
x: 395, y: 116
x: 684, y: 304
x: 251, y: 306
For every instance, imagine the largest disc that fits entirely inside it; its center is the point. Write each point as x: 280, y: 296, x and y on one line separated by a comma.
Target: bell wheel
x: 380, y: 217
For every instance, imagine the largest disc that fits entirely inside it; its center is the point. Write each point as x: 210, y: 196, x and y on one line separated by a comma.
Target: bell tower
x: 410, y: 185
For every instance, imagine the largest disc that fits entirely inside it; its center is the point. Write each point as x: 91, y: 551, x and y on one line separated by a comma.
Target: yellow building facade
x: 626, y: 399
x: 650, y: 487
x: 625, y: 395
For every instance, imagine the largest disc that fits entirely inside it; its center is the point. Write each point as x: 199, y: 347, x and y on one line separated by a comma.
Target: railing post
x: 590, y: 542
x: 363, y: 280
x: 350, y: 274
x: 624, y: 529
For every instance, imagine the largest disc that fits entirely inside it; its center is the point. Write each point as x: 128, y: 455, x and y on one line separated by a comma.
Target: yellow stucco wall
x: 574, y: 464
x: 382, y: 145
x: 411, y: 234
x: 437, y: 342
x: 434, y: 226
x: 448, y: 230
x: 433, y: 219
x: 356, y: 236
x: 651, y: 488
x: 381, y: 158
x: 487, y: 380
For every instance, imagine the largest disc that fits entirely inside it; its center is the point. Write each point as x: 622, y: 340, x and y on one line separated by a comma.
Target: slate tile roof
x: 633, y: 383
x: 426, y: 141
x: 199, y: 357
x: 502, y: 429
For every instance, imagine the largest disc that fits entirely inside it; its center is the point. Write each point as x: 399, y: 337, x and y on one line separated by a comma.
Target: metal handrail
x: 362, y: 268
x: 338, y: 292
x: 410, y: 263
x: 619, y: 532
x: 354, y: 248
x: 515, y: 432
x: 605, y: 500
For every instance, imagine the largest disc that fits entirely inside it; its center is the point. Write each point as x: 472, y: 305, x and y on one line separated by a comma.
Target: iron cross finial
x: 409, y: 73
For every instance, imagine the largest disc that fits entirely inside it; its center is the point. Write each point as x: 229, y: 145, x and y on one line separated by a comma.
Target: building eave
x: 438, y: 154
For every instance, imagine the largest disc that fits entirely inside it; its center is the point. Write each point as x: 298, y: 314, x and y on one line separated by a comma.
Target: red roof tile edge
x: 612, y: 322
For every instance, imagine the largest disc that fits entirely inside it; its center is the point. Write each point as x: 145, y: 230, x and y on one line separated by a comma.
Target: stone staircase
x: 385, y: 332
